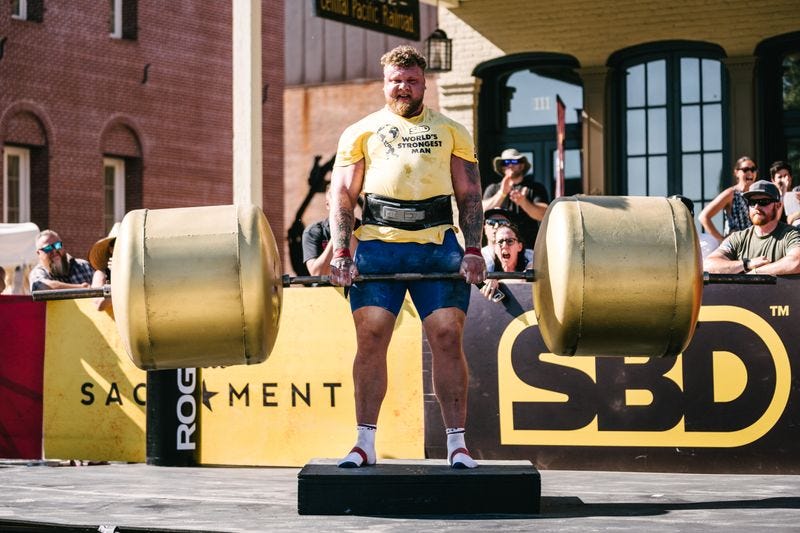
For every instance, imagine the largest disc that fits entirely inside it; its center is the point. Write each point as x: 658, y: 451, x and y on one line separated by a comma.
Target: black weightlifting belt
x: 407, y: 214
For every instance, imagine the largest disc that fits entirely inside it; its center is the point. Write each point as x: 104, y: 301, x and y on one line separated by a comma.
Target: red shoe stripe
x: 459, y: 450
x: 360, y: 452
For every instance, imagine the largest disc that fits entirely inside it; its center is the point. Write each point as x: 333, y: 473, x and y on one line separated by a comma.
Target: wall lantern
x: 439, y: 51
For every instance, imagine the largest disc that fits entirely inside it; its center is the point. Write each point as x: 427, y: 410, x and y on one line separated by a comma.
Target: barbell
x: 203, y: 286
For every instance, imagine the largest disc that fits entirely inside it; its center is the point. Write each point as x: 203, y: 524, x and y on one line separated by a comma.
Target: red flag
x: 561, y: 130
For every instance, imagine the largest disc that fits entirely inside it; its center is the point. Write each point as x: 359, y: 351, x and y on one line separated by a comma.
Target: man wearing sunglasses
x: 57, y: 269
x: 769, y: 246
x: 518, y: 193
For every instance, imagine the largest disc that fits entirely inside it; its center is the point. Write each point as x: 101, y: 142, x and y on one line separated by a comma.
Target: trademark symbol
x: 779, y: 310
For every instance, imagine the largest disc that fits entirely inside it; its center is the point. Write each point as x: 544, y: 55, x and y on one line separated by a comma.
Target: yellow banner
x: 94, y: 397
x: 298, y: 404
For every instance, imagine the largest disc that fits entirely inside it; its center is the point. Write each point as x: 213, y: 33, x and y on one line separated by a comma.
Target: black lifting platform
x: 418, y: 487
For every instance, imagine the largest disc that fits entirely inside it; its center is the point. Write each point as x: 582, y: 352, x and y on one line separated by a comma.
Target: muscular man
x: 518, y: 193
x: 409, y: 161
x: 769, y: 246
x: 57, y: 269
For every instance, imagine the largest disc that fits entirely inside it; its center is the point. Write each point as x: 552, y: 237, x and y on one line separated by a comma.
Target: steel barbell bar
x: 324, y: 281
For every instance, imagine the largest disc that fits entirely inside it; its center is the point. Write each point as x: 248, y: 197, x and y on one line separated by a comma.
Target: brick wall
x: 170, y: 88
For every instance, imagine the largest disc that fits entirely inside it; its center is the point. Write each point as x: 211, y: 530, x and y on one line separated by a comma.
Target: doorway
x: 517, y: 109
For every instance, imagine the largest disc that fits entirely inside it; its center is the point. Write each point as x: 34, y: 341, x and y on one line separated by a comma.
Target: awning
x: 18, y: 243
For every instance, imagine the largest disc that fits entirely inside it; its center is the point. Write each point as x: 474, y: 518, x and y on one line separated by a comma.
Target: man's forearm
x: 342, y: 221
x: 781, y: 267
x: 723, y: 265
x: 535, y: 210
x: 470, y: 209
x: 493, y: 201
x: 320, y: 265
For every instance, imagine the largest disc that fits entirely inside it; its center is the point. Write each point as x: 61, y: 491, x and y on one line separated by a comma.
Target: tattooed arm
x: 345, y: 187
x: 467, y: 188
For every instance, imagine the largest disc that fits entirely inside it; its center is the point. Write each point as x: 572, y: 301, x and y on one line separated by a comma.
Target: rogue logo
x: 727, y: 391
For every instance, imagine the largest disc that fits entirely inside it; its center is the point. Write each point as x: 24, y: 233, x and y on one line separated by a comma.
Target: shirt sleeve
x: 36, y: 276
x: 491, y: 190
x: 463, y: 147
x: 730, y: 246
x: 793, y: 239
x: 350, y: 149
x: 312, y: 243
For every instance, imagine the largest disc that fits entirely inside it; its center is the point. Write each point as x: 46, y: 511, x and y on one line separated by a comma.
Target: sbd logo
x: 728, y: 389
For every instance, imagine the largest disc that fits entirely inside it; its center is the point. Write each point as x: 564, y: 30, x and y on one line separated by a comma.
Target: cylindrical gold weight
x: 196, y: 287
x: 617, y: 275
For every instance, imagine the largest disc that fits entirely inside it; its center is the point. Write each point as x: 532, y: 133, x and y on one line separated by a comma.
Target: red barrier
x: 22, y: 323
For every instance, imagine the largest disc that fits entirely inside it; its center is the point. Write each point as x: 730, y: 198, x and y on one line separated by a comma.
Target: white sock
x: 363, y: 453
x: 457, y: 453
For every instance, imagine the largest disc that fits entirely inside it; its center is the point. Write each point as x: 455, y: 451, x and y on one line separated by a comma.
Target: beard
x: 59, y: 267
x: 404, y: 108
x: 761, y: 219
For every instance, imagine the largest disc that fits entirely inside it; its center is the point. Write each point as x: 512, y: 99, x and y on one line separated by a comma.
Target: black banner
x: 395, y: 17
x: 728, y: 404
x: 173, y: 434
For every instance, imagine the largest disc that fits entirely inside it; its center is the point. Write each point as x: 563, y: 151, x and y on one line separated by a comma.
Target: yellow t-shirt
x: 405, y: 159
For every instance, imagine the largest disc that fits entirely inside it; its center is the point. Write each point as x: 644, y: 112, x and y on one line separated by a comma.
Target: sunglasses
x: 510, y: 241
x: 494, y: 222
x: 748, y: 169
x: 50, y: 247
x: 760, y: 202
x: 510, y: 161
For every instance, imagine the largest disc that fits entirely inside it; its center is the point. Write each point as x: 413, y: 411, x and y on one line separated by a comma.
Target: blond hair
x: 404, y: 56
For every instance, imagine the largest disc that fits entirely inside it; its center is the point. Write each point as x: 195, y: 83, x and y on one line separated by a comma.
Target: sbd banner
x: 727, y: 404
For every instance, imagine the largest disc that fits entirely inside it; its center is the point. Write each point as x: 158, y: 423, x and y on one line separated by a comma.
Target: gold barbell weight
x: 203, y: 286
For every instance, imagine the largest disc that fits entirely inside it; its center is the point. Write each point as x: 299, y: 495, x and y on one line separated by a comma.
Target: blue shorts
x: 379, y: 257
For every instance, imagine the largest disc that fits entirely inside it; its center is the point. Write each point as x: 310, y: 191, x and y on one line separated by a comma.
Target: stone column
x: 593, y: 124
x: 741, y: 105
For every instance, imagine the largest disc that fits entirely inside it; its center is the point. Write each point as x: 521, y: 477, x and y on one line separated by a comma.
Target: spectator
x: 731, y: 202
x: 2, y: 279
x: 493, y: 219
x: 780, y: 172
x: 100, y: 257
x: 317, y: 251
x: 509, y: 256
x: 769, y: 246
x: 518, y: 193
x: 56, y: 268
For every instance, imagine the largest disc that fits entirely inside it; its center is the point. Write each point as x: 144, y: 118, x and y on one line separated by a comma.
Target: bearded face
x: 59, y: 266
x: 761, y: 215
x: 404, y: 89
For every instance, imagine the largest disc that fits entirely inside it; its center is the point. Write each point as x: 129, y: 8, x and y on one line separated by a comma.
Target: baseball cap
x: 497, y: 211
x: 763, y: 188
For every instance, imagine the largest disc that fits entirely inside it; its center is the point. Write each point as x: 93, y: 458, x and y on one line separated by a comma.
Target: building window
x: 115, y: 18
x: 122, y: 19
x: 790, y: 83
x: 16, y: 185
x: 32, y: 10
x: 779, y: 86
x: 672, y: 125
x: 114, y: 191
x: 19, y: 9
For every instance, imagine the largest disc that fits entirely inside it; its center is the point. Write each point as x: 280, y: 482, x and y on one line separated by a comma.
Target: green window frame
x: 670, y: 106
